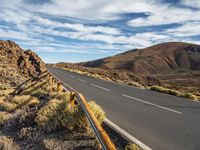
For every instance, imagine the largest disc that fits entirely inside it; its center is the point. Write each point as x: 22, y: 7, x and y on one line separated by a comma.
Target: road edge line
x: 126, y: 134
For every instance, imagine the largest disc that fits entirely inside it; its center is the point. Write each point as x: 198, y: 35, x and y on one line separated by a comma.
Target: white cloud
x: 186, y: 30
x: 166, y: 15
x: 37, y: 25
x: 77, y: 27
x: 191, y: 3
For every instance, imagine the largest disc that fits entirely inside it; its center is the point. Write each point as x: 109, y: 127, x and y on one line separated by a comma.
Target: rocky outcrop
x: 27, y: 63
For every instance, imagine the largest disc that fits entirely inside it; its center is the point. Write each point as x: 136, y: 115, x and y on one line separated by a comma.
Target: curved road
x: 161, y: 121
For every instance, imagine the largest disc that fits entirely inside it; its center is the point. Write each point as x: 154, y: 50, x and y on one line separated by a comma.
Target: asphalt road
x: 161, y: 121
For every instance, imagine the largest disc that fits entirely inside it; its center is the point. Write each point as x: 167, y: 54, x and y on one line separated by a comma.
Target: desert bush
x: 132, y: 147
x: 56, y: 114
x: 4, y: 86
x: 7, y: 106
x: 47, y: 117
x: 7, y: 144
x: 39, y: 92
x: 18, y: 102
x: 157, y: 88
x: 63, y: 96
x: 173, y: 92
x: 6, y: 92
x: 189, y: 95
x: 34, y: 87
x: 98, y: 112
x: 4, y: 117
x: 165, y: 90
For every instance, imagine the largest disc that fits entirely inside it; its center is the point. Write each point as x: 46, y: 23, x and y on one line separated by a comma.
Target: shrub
x: 39, y: 92
x: 98, y: 112
x: 56, y: 114
x: 4, y: 86
x: 34, y: 102
x: 4, y: 117
x: 7, y: 106
x: 6, y: 92
x: 7, y: 144
x: 165, y: 90
x: 63, y: 96
x: 47, y: 117
x: 189, y: 95
x: 34, y: 87
x: 18, y: 102
x: 132, y: 147
x: 157, y: 88
x: 173, y: 92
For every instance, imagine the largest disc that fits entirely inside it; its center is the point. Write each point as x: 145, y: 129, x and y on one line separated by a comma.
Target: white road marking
x: 126, y: 134
x: 81, y: 80
x: 100, y: 87
x: 137, y: 99
x: 72, y: 76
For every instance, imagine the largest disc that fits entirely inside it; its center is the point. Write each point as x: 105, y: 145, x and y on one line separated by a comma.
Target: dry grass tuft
x: 59, y: 114
x: 6, y: 92
x: 189, y: 95
x: 132, y: 147
x: 47, y: 117
x: 173, y: 92
x: 97, y: 110
x: 4, y: 86
x: 7, y: 144
x: 18, y: 102
x: 4, y: 117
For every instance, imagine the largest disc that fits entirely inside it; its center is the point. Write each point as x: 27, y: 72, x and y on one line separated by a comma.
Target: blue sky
x: 81, y: 30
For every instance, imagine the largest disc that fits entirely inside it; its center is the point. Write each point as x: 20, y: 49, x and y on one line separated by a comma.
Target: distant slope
x: 161, y: 58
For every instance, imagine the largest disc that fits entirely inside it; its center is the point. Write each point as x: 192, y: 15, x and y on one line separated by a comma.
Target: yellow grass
x: 4, y: 117
x: 132, y: 147
x: 98, y: 111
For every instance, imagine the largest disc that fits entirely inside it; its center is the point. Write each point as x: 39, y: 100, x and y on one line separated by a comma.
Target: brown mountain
x: 13, y: 59
x: 161, y: 58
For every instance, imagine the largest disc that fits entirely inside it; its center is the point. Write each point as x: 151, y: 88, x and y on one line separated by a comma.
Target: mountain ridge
x: 160, y: 58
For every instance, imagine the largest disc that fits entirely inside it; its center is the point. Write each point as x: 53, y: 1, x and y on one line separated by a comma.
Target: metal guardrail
x: 101, y: 135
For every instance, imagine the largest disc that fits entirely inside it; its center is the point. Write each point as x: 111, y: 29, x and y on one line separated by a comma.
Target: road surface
x: 161, y: 121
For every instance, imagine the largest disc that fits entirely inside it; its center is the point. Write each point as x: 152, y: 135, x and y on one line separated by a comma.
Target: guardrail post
x: 59, y: 87
x: 72, y: 99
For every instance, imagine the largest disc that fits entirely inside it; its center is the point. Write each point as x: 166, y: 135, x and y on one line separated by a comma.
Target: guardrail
x: 101, y: 135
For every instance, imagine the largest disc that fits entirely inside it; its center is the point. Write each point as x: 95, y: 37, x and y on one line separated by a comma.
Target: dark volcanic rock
x: 27, y: 63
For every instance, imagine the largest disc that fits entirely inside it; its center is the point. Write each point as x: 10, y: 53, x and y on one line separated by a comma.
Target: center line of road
x: 100, y: 87
x: 137, y: 99
x: 81, y: 80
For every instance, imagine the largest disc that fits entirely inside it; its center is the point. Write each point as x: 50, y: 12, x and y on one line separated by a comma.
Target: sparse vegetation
x: 173, y: 92
x: 4, y: 117
x: 18, y: 102
x: 56, y: 114
x: 4, y: 86
x: 98, y: 112
x: 189, y: 95
x: 7, y: 143
x: 132, y: 147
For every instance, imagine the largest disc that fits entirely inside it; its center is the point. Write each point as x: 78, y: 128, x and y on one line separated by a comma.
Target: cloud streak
x: 95, y: 27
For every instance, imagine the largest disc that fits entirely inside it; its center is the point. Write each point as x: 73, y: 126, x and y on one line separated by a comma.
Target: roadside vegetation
x: 132, y: 146
x: 173, y: 92
x: 38, y: 109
